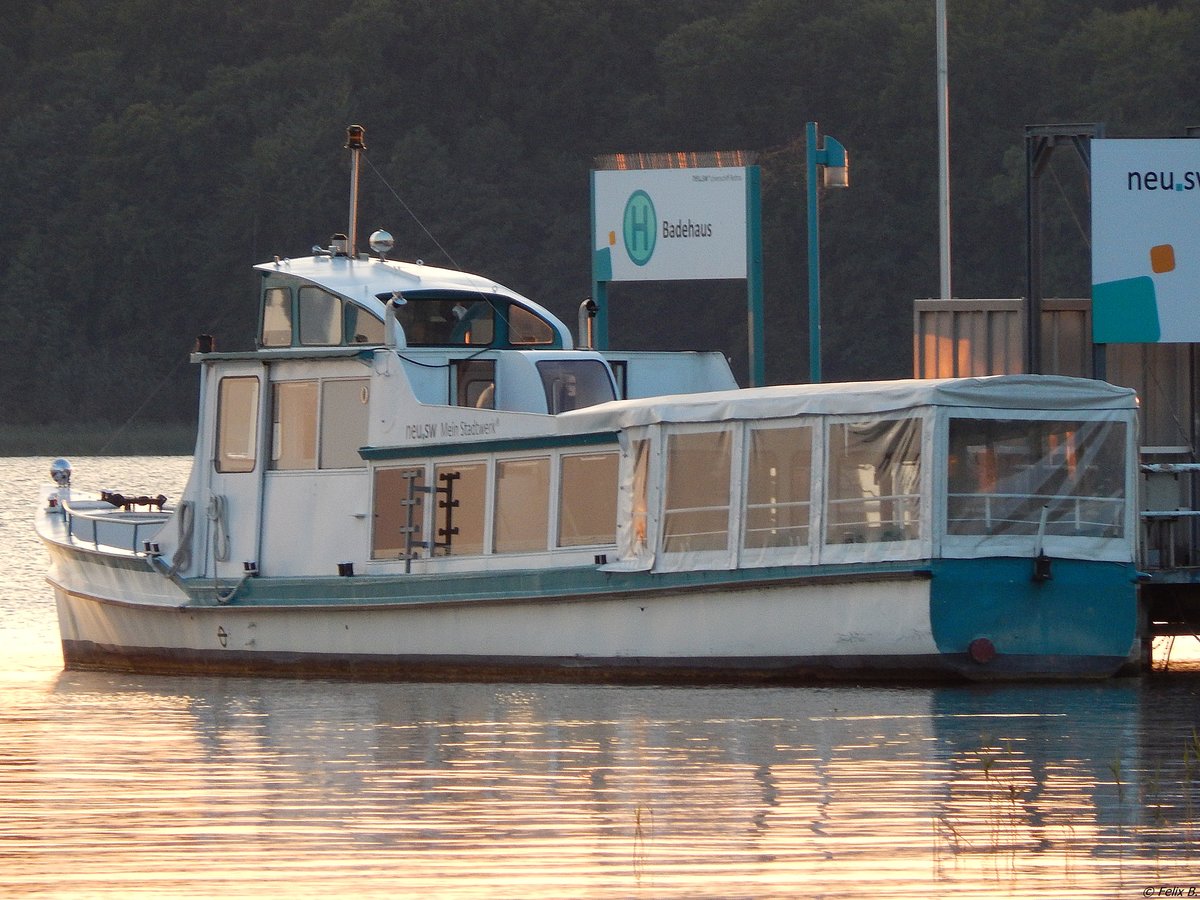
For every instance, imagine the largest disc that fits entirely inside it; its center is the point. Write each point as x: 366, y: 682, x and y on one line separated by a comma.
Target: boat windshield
x: 443, y: 322
x: 464, y: 318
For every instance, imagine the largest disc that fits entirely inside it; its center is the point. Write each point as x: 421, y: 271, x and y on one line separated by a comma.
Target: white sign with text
x: 1145, y: 241
x: 669, y: 224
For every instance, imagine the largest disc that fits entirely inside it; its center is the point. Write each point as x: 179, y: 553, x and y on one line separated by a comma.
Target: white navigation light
x: 60, y: 471
x: 382, y: 243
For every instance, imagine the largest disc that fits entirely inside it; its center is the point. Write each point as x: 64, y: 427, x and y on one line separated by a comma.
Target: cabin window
x: 778, y: 487
x: 294, y: 425
x: 362, y: 327
x: 237, y: 424
x: 394, y: 489
x: 1004, y: 473
x: 522, y: 512
x: 461, y: 513
x: 587, y: 500
x: 344, y: 407
x: 446, y: 322
x: 476, y: 383
x: 574, y: 384
x: 696, y: 511
x: 525, y: 329
x: 320, y: 317
x: 277, y: 318
x: 874, y: 483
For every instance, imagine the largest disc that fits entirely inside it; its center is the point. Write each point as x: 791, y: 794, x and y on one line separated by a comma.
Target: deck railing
x: 1000, y: 513
x: 102, y: 525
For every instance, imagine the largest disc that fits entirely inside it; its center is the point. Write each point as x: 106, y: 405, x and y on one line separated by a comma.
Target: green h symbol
x: 640, y: 227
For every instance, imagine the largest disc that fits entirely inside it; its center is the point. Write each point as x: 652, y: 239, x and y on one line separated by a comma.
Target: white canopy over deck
x: 874, y: 472
x: 1052, y: 393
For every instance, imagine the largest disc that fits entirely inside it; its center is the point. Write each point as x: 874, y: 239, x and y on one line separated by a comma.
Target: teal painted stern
x: 993, y: 621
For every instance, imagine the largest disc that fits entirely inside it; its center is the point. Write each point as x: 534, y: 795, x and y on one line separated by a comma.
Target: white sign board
x: 1145, y: 241
x: 669, y: 224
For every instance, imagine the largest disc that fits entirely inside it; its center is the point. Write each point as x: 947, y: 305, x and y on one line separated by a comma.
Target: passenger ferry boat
x: 417, y: 475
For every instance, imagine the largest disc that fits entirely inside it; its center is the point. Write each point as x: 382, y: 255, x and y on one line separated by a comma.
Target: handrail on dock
x: 1170, y: 468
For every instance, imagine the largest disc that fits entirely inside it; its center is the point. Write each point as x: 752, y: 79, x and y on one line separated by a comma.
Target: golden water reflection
x: 206, y: 787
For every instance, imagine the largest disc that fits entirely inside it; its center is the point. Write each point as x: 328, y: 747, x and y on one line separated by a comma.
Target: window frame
x: 320, y: 424
x: 254, y: 412
x: 784, y: 554
x: 699, y: 555
x: 294, y: 429
x: 335, y: 317
x: 288, y: 312
x: 323, y: 426
x: 551, y: 371
x: 907, y: 546
x: 499, y: 503
x: 1120, y: 548
x: 560, y: 494
x: 431, y: 517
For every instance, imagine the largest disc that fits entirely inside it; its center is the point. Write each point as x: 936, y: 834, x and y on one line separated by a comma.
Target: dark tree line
x: 151, y: 152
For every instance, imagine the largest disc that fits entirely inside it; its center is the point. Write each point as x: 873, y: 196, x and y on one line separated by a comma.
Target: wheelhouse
x: 331, y: 301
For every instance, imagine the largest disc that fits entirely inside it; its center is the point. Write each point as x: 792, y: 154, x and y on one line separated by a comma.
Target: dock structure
x: 987, y: 337
x: 1169, y: 553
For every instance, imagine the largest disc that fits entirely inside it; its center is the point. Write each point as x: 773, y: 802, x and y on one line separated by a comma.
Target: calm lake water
x: 212, y: 787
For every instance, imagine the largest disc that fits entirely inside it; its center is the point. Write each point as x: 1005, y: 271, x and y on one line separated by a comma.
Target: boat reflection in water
x: 470, y: 790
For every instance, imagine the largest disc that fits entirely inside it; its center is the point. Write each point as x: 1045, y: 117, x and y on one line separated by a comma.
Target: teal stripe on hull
x: 1084, y: 610
x: 586, y: 582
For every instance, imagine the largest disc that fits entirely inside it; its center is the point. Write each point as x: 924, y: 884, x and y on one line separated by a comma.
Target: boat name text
x: 428, y: 431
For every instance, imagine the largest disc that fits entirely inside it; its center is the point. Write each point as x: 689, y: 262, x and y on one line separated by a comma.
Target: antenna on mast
x: 355, y: 144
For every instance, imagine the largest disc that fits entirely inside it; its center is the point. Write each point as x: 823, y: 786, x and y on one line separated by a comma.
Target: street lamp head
x: 837, y: 164
x: 837, y: 176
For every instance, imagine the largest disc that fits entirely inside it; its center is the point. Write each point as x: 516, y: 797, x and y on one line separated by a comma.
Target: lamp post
x: 835, y: 167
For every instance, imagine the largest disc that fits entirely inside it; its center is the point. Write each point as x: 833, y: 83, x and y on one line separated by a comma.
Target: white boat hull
x: 787, y: 628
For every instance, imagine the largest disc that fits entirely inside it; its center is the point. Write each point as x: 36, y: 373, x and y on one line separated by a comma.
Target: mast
x: 355, y: 144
